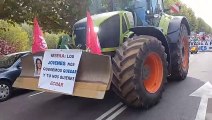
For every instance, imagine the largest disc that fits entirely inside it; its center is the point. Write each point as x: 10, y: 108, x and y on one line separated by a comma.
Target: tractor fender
x: 174, y: 28
x: 155, y: 32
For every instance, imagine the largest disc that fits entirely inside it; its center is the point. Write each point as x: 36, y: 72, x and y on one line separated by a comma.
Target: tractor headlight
x: 96, y: 29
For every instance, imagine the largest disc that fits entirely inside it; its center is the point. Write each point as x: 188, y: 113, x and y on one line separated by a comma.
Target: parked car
x: 10, y: 69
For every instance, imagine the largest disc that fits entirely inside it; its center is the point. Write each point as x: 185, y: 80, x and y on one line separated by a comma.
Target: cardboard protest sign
x: 59, y: 70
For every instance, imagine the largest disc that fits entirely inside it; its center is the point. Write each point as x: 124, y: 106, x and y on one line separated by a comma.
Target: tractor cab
x: 113, y: 21
x: 145, y: 12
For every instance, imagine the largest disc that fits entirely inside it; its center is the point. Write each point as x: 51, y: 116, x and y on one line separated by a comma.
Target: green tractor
x: 146, y: 45
x: 142, y: 47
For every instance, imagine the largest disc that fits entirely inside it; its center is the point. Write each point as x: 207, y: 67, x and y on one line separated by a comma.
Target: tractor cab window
x: 140, y: 8
x: 110, y: 37
x: 137, y: 7
x: 160, y: 2
x: 124, y: 25
x: 139, y: 4
x: 156, y: 6
x: 155, y: 12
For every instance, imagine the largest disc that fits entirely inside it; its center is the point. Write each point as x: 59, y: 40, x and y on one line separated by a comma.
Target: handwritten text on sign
x: 59, y: 70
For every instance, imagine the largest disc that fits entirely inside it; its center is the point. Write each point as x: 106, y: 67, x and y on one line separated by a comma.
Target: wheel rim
x: 4, y: 91
x: 153, y: 72
x: 185, y: 53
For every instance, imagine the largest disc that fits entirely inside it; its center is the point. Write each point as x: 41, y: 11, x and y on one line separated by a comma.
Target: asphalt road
x: 176, y: 104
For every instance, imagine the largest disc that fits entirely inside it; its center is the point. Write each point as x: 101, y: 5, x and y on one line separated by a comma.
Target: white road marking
x: 110, y: 111
x: 204, y: 92
x: 36, y: 94
x: 117, y: 113
x: 201, y: 113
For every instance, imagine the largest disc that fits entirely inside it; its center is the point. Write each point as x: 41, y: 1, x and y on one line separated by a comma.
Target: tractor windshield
x: 101, y: 6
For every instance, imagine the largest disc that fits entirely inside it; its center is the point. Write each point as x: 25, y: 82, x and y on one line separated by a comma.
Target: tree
x: 60, y: 15
x: 14, y: 35
x: 168, y: 3
x: 202, y: 26
x: 29, y: 29
x: 189, y: 14
x: 53, y: 15
x: 6, y: 48
x: 52, y: 40
x: 196, y: 24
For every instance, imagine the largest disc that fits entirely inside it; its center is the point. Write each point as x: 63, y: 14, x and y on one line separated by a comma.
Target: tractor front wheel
x: 180, y: 56
x: 140, y: 70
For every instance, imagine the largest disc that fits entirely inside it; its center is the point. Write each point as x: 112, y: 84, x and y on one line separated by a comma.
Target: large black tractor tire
x: 5, y: 91
x: 140, y: 71
x: 180, y: 56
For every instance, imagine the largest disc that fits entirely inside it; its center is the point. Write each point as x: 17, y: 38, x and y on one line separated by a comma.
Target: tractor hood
x: 98, y: 18
x: 103, y: 22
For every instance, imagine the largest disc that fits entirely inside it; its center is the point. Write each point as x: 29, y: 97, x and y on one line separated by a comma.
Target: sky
x: 201, y: 8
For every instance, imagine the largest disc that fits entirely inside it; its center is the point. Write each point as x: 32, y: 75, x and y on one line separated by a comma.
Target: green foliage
x: 168, y: 3
x: 99, y: 6
x: 52, y: 40
x: 53, y: 15
x: 60, y: 15
x: 196, y: 24
x: 189, y: 14
x: 21, y: 36
x: 6, y: 48
x: 14, y: 35
x: 29, y: 29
